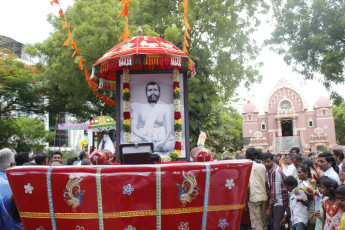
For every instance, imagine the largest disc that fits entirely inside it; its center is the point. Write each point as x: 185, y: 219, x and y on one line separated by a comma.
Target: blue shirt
x: 6, y: 218
x: 331, y: 174
x: 5, y: 188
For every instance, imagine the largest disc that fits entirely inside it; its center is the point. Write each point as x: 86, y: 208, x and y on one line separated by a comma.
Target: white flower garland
x: 177, y: 112
x: 126, y: 106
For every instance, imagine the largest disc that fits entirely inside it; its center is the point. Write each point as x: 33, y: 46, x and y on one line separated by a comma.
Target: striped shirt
x: 277, y: 190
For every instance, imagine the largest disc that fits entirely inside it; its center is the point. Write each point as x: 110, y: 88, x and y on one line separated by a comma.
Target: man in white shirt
x: 257, y: 193
x: 327, y: 164
x: 290, y: 169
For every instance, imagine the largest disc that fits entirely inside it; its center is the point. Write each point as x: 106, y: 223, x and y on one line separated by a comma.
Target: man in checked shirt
x: 278, y: 195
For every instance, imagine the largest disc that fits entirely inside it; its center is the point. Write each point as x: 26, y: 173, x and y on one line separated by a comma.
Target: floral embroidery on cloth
x: 333, y: 215
x: 183, y: 226
x: 28, y: 188
x: 130, y: 227
x: 128, y: 189
x: 223, y: 224
x: 229, y: 183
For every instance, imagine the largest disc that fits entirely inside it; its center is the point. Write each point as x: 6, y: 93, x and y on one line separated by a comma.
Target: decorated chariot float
x: 150, y: 77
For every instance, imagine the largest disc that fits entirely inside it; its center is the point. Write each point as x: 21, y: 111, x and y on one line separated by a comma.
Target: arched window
x: 285, y: 104
x: 263, y: 126
x: 310, y: 123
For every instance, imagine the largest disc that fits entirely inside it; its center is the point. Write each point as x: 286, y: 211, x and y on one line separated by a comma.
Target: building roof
x: 284, y: 83
x: 11, y: 44
x: 323, y: 102
x: 249, y: 108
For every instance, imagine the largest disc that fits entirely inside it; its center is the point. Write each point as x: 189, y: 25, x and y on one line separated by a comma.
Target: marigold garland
x: 126, y: 107
x: 177, y: 113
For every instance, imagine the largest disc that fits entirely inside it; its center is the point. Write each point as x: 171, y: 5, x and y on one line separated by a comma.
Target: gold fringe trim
x: 114, y: 215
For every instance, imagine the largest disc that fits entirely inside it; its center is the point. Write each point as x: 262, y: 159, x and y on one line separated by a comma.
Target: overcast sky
x: 26, y: 22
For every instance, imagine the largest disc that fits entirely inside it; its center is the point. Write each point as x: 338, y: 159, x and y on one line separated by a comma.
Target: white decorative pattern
x: 183, y: 226
x: 223, y: 224
x: 128, y: 189
x: 130, y: 228
x: 40, y: 228
x: 79, y: 227
x: 28, y: 188
x: 175, y: 60
x: 229, y: 183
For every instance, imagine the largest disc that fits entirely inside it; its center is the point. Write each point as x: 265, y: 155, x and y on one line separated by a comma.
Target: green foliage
x: 126, y: 128
x: 220, y: 45
x: 339, y: 121
x: 126, y: 96
x: 7, y: 129
x: 310, y: 34
x: 177, y: 127
x: 25, y: 134
x: 173, y: 157
x: 20, y: 86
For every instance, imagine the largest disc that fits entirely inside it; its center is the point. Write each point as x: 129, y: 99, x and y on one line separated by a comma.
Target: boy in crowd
x: 295, y: 151
x: 290, y: 169
x: 298, y: 206
x: 340, y: 196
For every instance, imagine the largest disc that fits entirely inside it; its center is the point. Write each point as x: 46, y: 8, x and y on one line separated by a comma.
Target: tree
x: 31, y: 135
x: 221, y: 47
x: 24, y: 134
x: 19, y: 86
x: 339, y: 121
x: 20, y: 93
x: 310, y: 34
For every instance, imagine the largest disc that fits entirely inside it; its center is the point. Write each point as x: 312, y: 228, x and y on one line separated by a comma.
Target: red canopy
x: 141, y: 53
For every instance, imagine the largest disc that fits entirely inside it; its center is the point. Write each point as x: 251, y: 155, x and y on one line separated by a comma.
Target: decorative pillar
x: 294, y: 129
x: 279, y: 128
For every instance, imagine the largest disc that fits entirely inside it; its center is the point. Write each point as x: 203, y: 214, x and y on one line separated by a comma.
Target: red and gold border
x: 114, y: 215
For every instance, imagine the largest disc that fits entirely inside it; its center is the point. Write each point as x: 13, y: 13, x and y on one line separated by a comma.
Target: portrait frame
x: 152, y: 76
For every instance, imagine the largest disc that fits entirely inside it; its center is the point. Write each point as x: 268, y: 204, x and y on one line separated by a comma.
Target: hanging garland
x: 124, y: 12
x: 187, y: 26
x: 177, y: 113
x: 126, y: 107
x: 92, y: 83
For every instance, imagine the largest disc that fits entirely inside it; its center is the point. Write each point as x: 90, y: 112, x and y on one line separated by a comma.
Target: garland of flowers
x: 91, y: 82
x: 177, y: 113
x: 126, y: 107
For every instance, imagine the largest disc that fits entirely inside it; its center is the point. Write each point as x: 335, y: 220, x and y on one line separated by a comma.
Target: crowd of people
x: 285, y: 192
x: 296, y: 192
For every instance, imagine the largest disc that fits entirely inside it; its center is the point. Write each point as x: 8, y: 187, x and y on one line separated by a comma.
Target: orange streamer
x: 54, y: 1
x: 124, y: 12
x: 69, y: 37
x: 65, y: 25
x: 61, y: 13
x: 186, y: 23
x: 91, y: 83
x: 81, y: 63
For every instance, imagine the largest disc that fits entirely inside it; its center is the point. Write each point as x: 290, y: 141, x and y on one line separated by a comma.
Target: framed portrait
x: 152, y: 111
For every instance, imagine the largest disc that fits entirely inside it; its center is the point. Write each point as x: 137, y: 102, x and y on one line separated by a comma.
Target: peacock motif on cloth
x: 188, y: 189
x: 73, y: 194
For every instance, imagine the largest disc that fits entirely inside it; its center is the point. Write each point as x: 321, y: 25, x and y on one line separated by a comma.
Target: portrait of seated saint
x: 153, y: 121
